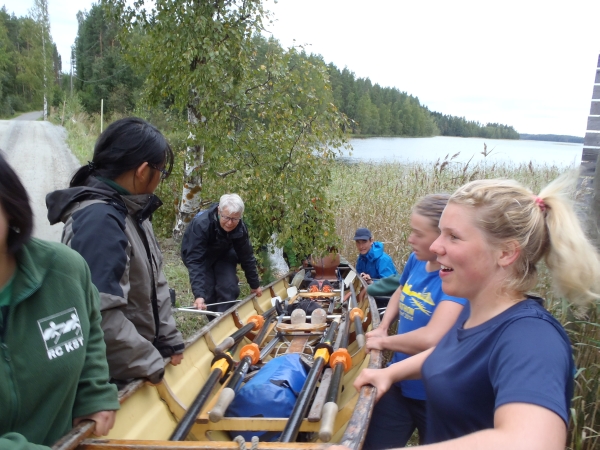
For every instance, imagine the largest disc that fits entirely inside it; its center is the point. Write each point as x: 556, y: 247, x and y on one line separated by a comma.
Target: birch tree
x: 40, y: 15
x: 260, y: 119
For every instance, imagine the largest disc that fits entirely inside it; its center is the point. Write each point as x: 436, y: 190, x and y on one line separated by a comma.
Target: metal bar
x: 200, y: 311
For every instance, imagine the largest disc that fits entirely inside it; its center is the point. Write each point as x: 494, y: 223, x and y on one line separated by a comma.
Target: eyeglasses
x: 163, y: 173
x: 230, y: 219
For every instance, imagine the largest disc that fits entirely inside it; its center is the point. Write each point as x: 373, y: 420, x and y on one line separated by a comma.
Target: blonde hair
x: 544, y: 226
x: 432, y: 206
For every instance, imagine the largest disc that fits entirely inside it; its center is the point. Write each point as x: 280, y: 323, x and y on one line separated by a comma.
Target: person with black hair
x: 106, y: 212
x: 52, y: 355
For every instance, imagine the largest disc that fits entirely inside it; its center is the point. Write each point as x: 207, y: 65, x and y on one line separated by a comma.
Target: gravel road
x: 37, y: 151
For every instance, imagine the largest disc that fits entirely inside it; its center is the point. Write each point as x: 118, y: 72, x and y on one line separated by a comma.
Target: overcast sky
x: 529, y: 64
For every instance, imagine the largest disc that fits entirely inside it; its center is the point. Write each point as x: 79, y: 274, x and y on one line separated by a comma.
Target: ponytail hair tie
x: 92, y: 166
x: 541, y: 204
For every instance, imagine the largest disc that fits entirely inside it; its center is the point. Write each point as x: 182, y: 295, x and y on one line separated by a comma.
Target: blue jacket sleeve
x: 386, y: 266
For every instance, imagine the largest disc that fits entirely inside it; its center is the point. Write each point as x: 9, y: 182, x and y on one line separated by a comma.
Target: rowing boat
x: 188, y: 409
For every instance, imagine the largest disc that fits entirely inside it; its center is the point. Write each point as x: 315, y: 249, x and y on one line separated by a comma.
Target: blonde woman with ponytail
x: 502, y: 377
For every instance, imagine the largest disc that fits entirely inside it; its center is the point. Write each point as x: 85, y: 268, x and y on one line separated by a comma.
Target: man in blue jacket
x: 373, y: 263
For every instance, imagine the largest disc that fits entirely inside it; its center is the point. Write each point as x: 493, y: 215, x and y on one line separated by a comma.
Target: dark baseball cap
x: 362, y: 234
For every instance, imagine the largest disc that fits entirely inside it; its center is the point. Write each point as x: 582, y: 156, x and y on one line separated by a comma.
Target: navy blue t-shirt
x: 421, y: 295
x: 522, y: 355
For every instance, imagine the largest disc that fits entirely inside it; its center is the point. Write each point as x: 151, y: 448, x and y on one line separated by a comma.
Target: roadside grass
x: 82, y: 129
x: 380, y: 197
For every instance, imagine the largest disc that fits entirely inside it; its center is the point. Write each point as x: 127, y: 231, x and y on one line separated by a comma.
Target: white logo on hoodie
x: 61, y: 333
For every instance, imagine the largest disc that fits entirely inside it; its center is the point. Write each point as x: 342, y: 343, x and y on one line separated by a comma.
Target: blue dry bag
x: 272, y: 392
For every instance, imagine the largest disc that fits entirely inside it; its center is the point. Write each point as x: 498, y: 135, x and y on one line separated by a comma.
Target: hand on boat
x: 375, y: 342
x: 257, y: 291
x: 199, y: 303
x: 376, y: 378
x: 105, y: 420
x: 176, y: 359
x: 338, y: 447
x: 377, y: 332
x: 366, y: 277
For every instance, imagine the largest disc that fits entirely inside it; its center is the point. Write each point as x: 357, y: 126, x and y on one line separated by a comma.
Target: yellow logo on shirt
x: 418, y: 300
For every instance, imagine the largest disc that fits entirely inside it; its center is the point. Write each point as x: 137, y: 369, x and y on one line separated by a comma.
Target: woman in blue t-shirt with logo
x: 502, y: 377
x: 425, y: 314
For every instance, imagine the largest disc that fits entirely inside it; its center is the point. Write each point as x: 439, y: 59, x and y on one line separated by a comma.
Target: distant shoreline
x: 552, y: 138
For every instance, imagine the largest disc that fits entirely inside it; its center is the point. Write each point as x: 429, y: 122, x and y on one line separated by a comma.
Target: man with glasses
x: 213, y: 244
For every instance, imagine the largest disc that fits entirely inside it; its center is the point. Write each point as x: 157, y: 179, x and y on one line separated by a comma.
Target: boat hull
x: 150, y: 413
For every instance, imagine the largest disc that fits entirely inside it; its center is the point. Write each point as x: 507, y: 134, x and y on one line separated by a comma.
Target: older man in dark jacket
x: 213, y: 244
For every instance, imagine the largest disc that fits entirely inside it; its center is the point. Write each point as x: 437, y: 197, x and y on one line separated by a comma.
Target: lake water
x: 382, y: 149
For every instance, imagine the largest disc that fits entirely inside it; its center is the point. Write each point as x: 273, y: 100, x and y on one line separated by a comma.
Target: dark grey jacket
x: 113, y: 234
x: 204, y: 241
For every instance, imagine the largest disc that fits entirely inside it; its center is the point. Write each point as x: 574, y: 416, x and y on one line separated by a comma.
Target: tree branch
x: 224, y: 174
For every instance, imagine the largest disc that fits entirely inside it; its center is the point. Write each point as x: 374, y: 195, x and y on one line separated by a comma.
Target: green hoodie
x: 52, y: 354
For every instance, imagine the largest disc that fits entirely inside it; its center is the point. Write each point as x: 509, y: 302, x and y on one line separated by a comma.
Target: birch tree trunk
x: 191, y: 197
x: 40, y: 13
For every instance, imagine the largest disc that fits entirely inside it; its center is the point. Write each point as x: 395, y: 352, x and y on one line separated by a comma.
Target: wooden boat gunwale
x: 353, y: 436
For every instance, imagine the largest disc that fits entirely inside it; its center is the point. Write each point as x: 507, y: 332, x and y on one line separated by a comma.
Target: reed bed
x: 380, y: 197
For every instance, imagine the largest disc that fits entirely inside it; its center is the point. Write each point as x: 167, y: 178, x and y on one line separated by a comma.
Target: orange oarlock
x: 341, y: 355
x: 258, y: 322
x: 252, y: 351
x: 356, y: 312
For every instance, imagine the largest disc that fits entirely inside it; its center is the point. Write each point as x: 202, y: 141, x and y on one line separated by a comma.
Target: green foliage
x: 103, y: 73
x: 22, y: 61
x: 379, y: 111
x: 459, y: 126
x: 264, y: 116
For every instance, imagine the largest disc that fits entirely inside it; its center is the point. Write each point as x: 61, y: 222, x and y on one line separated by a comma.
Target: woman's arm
x: 517, y: 426
x: 382, y: 379
x: 413, y: 342
x: 391, y: 314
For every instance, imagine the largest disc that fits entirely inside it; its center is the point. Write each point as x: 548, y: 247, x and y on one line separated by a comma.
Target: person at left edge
x: 213, y: 244
x: 52, y: 355
x: 106, y: 212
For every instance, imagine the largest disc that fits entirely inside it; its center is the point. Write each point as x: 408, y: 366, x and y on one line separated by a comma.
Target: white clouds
x: 526, y: 63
